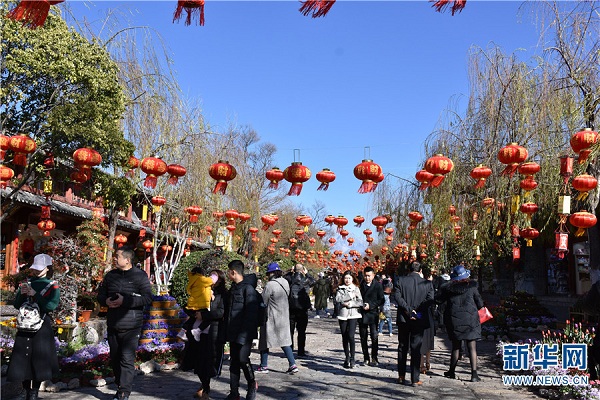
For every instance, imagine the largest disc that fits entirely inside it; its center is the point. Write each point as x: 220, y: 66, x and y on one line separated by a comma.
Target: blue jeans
x: 389, y: 323
x: 287, y: 350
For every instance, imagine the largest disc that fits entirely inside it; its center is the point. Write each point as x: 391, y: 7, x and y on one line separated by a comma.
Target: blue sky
x: 376, y: 74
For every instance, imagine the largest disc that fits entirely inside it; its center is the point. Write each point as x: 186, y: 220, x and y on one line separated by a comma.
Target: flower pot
x: 163, y: 304
x: 84, y: 315
x: 145, y: 341
x: 165, y: 313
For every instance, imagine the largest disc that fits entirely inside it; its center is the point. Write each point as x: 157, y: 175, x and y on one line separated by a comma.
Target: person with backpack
x: 242, y: 328
x: 300, y: 283
x: 34, y: 358
x: 276, y: 331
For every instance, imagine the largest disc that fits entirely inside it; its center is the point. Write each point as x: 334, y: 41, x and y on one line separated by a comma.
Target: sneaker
x: 316, y: 316
x: 379, y: 333
x: 252, y: 388
x: 391, y: 334
x: 292, y: 370
x: 262, y: 370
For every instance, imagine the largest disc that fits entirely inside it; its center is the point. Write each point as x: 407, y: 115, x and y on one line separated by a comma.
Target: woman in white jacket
x: 350, y: 302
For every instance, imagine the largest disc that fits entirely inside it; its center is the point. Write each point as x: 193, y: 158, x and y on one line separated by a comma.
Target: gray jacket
x: 350, y: 301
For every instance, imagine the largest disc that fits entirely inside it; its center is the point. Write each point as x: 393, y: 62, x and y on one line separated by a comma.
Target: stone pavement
x: 322, y: 376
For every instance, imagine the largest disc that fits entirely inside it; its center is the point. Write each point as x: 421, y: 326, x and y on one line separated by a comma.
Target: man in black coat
x: 373, y: 299
x: 414, y: 295
x: 300, y: 283
x: 125, y: 290
x: 242, y: 328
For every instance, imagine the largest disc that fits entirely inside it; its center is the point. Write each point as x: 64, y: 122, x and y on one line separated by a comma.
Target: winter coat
x: 386, y: 309
x: 350, y: 301
x: 134, y: 286
x: 276, y: 332
x: 414, y: 293
x: 242, y: 324
x: 300, y: 285
x: 321, y: 292
x: 373, y: 295
x: 460, y: 316
x: 34, y: 353
x: 199, y: 291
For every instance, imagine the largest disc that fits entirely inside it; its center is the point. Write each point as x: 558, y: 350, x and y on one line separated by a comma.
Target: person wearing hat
x: 461, y: 317
x: 276, y: 331
x: 34, y: 359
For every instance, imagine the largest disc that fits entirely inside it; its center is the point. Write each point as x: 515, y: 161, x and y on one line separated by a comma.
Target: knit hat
x: 273, y: 267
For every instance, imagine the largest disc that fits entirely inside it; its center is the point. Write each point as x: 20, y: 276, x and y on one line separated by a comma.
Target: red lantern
x: 358, y: 220
x: 268, y: 220
x: 231, y: 215
x: 369, y: 173
x: 299, y: 233
x: 3, y: 146
x: 344, y: 233
x: 582, y: 220
x: 321, y: 233
x: 304, y: 221
x: 581, y: 143
x: 222, y: 172
x: 274, y: 175
x: 194, y: 212
x: 340, y: 221
x: 231, y: 229
x: 415, y: 217
x: 22, y: 145
x: 424, y: 177
x: 133, y: 162
x: 331, y: 241
x: 158, y: 201
x: 529, y: 208
x: 512, y: 155
x: 79, y: 176
x: 529, y: 234
x: 325, y: 176
x: 296, y: 174
x: 175, y: 171
x: 350, y: 241
x: 208, y: 229
x: 148, y: 245
x: 329, y: 219
x: 562, y: 242
x: 480, y: 174
x: 583, y: 184
x: 379, y: 222
x: 367, y: 232
x: 369, y: 240
x: 451, y: 210
x: 488, y: 203
x: 120, y: 239
x: 46, y: 226
x: 243, y: 217
x: 389, y: 239
x: 86, y: 158
x: 153, y: 167
x: 529, y: 168
x: 438, y: 165
x: 312, y: 242
x: 528, y: 184
x: 457, y: 5
x: 192, y: 8
x: 6, y: 174
x: 276, y: 232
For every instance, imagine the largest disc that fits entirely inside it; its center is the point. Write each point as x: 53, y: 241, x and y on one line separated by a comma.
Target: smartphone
x: 24, y: 287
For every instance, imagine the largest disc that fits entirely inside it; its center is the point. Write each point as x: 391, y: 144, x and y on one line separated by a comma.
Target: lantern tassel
x: 424, y: 185
x: 510, y: 170
x: 529, y: 242
x: 457, y: 5
x: 318, y: 8
x: 437, y: 180
x: 173, y: 180
x: 32, y: 13
x: 274, y: 185
x: 582, y: 196
x: 20, y: 159
x: 150, y: 181
x: 295, y: 189
x: 191, y: 8
x: 220, y: 187
x: 580, y: 232
x: 323, y: 186
x: 583, y: 156
x: 480, y: 183
x: 380, y: 229
x: 358, y: 225
x: 367, y: 187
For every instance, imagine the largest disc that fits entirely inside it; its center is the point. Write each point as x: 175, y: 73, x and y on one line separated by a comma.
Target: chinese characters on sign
x: 516, y: 357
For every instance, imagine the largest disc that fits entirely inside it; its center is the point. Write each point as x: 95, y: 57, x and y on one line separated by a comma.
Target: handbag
x: 382, y: 316
x: 484, y: 315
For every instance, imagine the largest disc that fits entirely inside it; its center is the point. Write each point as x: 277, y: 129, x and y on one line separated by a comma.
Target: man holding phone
x: 125, y: 291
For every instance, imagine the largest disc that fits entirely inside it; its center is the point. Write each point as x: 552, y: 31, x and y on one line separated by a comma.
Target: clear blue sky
x: 376, y: 74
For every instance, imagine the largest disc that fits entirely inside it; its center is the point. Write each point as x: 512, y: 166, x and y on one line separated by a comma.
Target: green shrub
x: 209, y: 259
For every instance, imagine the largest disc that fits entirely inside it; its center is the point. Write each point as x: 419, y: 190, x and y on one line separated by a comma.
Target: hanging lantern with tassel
x: 480, y: 174
x: 582, y: 141
x: 325, y: 176
x: 512, y: 155
x: 193, y: 8
x: 274, y: 175
x: 222, y: 172
x: 175, y: 172
x: 318, y: 8
x: 369, y: 173
x: 439, y: 166
x: 153, y: 168
x: 582, y: 220
x: 32, y: 13
x: 583, y: 184
x: 424, y: 177
x: 22, y: 145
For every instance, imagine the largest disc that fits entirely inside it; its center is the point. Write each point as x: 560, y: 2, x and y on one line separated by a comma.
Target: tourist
x: 386, y: 311
x: 300, y: 283
x: 350, y: 302
x: 242, y: 328
x: 461, y: 317
x: 321, y: 292
x: 205, y: 355
x: 125, y: 291
x: 372, y: 295
x: 276, y: 331
x: 413, y: 295
x: 334, y: 281
x: 33, y: 359
x: 429, y: 332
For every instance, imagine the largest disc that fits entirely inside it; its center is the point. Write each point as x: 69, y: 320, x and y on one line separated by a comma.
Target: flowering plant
x: 162, y: 297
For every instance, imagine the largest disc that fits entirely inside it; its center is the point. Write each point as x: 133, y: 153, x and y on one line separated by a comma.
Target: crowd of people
x: 425, y: 300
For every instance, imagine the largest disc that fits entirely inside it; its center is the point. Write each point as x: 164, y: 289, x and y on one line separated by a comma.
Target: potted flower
x: 163, y: 301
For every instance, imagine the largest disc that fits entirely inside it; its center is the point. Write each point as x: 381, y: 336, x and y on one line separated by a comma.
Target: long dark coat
x: 373, y: 295
x: 34, y: 353
x: 413, y: 293
x: 321, y: 292
x: 462, y: 303
x: 244, y: 300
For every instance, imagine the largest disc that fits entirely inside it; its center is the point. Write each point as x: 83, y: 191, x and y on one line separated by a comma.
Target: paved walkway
x: 322, y: 376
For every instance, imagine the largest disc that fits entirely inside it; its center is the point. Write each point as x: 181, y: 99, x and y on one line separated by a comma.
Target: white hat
x: 40, y: 262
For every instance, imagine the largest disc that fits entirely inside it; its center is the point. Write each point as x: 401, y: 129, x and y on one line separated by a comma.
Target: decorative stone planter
x: 164, y: 313
x: 164, y: 304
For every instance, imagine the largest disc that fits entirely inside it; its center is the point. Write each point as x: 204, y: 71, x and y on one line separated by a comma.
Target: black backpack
x: 299, y: 299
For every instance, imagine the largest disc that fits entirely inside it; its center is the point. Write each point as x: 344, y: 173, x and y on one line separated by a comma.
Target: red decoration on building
x: 193, y: 8
x: 153, y: 167
x: 424, y: 177
x: 582, y: 220
x: 583, y: 184
x: 296, y: 174
x: 222, y: 172
x: 120, y: 239
x: 457, y: 5
x: 148, y: 245
x: 581, y: 143
x: 438, y: 165
x: 379, y: 222
x: 194, y: 212
x: 46, y: 226
x: 480, y: 174
x: 175, y: 172
x: 6, y: 174
x: 369, y: 173
x: 32, y: 13
x: 22, y: 145
x: 512, y: 155
x: 325, y: 176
